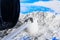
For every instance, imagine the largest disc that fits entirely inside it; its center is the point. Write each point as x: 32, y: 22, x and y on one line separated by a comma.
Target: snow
x: 45, y: 26
x: 33, y: 28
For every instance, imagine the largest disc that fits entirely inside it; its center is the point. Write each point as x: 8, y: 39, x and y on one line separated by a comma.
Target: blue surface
x: 54, y: 38
x: 25, y: 38
x: 28, y: 9
x: 32, y: 1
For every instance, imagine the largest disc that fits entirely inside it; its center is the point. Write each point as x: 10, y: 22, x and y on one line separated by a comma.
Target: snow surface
x: 44, y: 26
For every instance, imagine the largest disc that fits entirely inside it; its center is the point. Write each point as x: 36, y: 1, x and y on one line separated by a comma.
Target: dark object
x: 31, y: 19
x: 9, y: 13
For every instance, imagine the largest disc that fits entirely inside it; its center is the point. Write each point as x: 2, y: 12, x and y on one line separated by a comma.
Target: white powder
x: 42, y: 23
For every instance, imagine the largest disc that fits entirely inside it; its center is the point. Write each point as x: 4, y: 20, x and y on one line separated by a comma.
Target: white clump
x: 41, y: 22
x: 33, y: 28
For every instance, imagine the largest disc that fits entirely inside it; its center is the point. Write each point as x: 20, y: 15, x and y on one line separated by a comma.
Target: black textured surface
x: 9, y: 13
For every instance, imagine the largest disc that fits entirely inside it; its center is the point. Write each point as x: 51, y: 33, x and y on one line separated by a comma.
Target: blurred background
x: 28, y: 6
